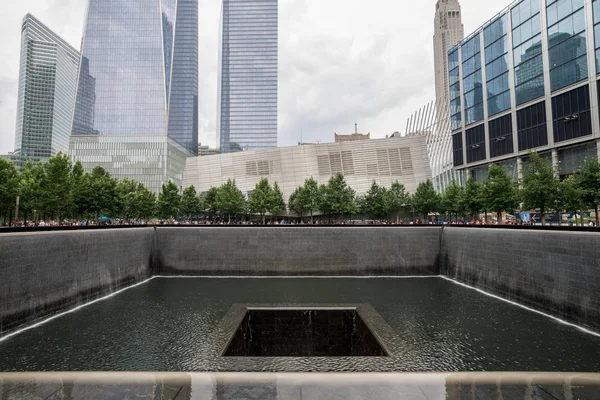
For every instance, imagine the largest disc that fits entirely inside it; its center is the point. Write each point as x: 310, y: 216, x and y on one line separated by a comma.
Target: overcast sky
x: 340, y: 62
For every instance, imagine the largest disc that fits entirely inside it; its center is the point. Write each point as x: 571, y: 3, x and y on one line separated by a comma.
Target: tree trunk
x: 543, y: 217
x: 596, y: 210
x: 499, y: 217
x: 229, y: 221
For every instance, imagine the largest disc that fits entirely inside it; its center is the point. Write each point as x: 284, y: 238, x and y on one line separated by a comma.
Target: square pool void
x: 303, y: 332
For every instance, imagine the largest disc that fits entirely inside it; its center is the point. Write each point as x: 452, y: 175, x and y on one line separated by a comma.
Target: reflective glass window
x: 497, y: 67
x: 527, y: 49
x: 499, y: 103
x: 454, y: 76
x: 453, y: 60
x: 596, y: 8
x: 474, y: 113
x: 524, y: 10
x: 249, y: 75
x: 471, y: 47
x: 472, y: 81
x: 494, y: 31
x: 496, y: 49
x: 567, y: 44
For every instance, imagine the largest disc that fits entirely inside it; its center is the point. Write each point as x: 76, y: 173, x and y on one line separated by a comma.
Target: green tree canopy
x: 56, y: 189
x: 571, y: 196
x: 190, y: 202
x: 397, y: 199
x: 31, y: 183
x: 499, y: 194
x: 472, y: 200
x: 230, y: 199
x: 426, y: 200
x: 260, y: 198
x: 169, y: 201
x: 540, y: 187
x: 374, y: 203
x: 588, y: 182
x: 277, y: 203
x: 452, y: 200
x: 126, y: 198
x: 209, y: 201
x: 9, y: 186
x: 337, y: 197
x: 103, y: 193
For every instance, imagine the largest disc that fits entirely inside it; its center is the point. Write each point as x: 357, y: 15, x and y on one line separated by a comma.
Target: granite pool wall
x: 43, y: 273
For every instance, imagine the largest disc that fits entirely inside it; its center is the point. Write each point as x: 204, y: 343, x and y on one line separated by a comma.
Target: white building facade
x: 361, y: 162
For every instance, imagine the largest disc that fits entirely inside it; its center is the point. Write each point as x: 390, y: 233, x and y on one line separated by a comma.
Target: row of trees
x: 60, y: 190
x: 540, y: 190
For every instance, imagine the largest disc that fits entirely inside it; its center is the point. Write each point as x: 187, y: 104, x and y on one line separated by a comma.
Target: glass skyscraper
x: 47, y: 82
x: 136, y: 107
x: 248, y: 75
x: 527, y: 81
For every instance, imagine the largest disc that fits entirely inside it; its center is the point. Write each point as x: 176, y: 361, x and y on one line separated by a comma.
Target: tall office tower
x: 47, y: 82
x: 136, y: 110
x: 247, y: 98
x: 448, y: 31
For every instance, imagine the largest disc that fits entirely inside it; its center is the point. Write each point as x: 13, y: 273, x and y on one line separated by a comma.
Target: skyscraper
x: 248, y: 54
x: 47, y: 82
x: 448, y: 31
x: 136, y: 110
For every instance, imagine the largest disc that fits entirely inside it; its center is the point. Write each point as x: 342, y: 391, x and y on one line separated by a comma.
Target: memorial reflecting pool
x: 178, y: 324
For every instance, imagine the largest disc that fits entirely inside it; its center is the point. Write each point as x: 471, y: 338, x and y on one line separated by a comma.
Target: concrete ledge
x: 42, y: 274
x: 299, y: 251
x: 282, y: 386
x: 554, y: 272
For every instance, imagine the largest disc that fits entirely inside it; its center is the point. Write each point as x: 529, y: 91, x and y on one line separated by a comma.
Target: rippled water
x: 169, y: 325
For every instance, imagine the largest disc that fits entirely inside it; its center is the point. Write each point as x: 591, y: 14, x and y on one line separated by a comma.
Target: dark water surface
x: 170, y: 325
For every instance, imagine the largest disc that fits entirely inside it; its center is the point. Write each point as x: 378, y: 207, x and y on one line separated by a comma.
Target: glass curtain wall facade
x: 539, y: 89
x: 248, y: 75
x: 47, y: 82
x: 138, y: 79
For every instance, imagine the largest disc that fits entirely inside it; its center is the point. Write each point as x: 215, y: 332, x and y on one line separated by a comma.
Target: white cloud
x: 340, y: 62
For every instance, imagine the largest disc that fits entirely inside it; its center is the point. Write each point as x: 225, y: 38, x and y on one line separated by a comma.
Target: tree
x: 472, y: 201
x: 260, y: 198
x: 126, y: 198
x: 56, y: 188
x: 498, y: 191
x: 311, y: 197
x: 452, y: 200
x: 9, y: 185
x: 295, y: 204
x: 426, y: 200
x: 190, y: 202
x: 145, y: 203
x: 31, y: 182
x: 230, y: 199
x: 103, y: 193
x: 80, y: 186
x: 540, y: 187
x: 169, y: 201
x: 588, y: 182
x: 276, y: 203
x: 397, y: 199
x: 571, y: 196
x: 375, y: 203
x: 337, y: 197
x: 209, y: 201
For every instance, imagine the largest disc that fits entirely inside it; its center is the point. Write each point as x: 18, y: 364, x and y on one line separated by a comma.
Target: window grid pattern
x: 571, y: 114
x: 47, y: 81
x: 457, y: 149
x: 248, y: 86
x: 139, y: 70
x: 531, y: 123
x: 454, y: 78
x: 501, y: 136
x: 527, y: 51
x: 475, y: 143
x: 472, y: 81
x: 496, y: 68
x: 596, y: 9
x: 566, y: 42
